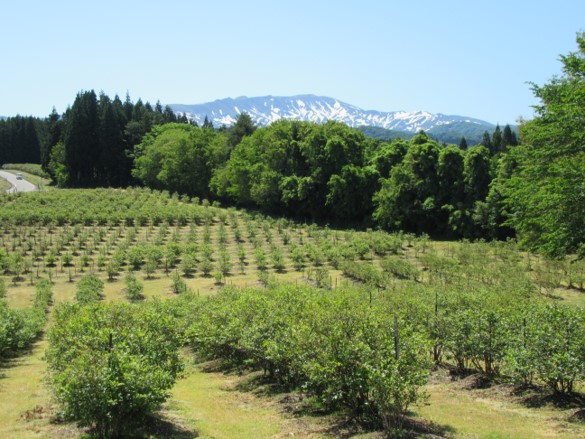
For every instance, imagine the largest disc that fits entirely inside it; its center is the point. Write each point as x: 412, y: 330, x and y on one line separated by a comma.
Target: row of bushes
x: 100, y: 206
x: 19, y: 328
x: 367, y: 355
x: 511, y: 336
x: 330, y: 344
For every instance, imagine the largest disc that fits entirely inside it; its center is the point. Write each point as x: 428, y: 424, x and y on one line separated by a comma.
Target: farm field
x: 204, y: 260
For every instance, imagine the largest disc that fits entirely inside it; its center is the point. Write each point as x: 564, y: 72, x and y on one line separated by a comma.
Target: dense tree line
x: 20, y: 139
x: 301, y: 168
x: 327, y: 172
x: 92, y: 144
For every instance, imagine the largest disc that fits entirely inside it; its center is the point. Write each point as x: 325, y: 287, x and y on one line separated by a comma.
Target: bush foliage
x: 110, y: 365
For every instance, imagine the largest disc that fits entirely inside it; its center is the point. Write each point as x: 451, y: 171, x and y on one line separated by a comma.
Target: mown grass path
x: 23, y: 396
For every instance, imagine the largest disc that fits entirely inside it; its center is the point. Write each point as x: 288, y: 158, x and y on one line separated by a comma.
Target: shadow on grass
x: 409, y: 428
x: 578, y: 416
x: 16, y: 358
x: 537, y: 400
x: 159, y: 427
x: 153, y: 427
x: 340, y: 423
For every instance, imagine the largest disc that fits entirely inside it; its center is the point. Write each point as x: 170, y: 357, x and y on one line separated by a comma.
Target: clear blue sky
x: 471, y: 58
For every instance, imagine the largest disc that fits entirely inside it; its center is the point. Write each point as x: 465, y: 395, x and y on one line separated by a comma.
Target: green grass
x: 4, y: 185
x: 475, y: 414
x: 216, y: 409
x: 570, y: 296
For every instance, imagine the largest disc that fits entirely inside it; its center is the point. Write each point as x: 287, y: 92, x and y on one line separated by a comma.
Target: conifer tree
x: 169, y: 115
x: 463, y: 144
x: 52, y: 137
x: 508, y: 137
x: 81, y: 140
x: 244, y: 126
x: 487, y: 140
x: 497, y: 141
x: 207, y: 123
x: 112, y: 157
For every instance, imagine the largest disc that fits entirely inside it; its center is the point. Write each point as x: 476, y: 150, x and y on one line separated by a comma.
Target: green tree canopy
x: 244, y: 126
x: 387, y: 155
x: 545, y: 197
x: 179, y: 158
x: 408, y: 198
x: 299, y: 168
x: 476, y: 174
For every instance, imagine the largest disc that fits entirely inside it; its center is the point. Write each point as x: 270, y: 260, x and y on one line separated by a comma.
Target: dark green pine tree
x: 7, y: 140
x: 508, y: 137
x: 158, y: 116
x: 486, y: 140
x: 207, y: 123
x: 244, y: 126
x: 169, y: 115
x: 81, y: 140
x: 112, y: 157
x: 138, y: 110
x: 52, y: 137
x: 497, y: 141
x: 32, y: 146
x: 128, y: 107
x: 463, y: 144
x: 3, y: 141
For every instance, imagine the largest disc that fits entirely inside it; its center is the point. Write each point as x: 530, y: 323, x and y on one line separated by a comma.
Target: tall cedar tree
x: 497, y: 145
x: 244, y: 126
x: 81, y: 140
x: 486, y: 140
x: 20, y: 140
x: 52, y: 137
x: 99, y: 139
x: 463, y: 144
x: 508, y: 137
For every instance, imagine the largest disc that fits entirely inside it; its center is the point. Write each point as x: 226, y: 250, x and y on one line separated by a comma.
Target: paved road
x: 17, y: 185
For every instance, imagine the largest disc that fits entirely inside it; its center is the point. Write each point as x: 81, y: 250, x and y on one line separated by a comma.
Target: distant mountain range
x: 386, y: 125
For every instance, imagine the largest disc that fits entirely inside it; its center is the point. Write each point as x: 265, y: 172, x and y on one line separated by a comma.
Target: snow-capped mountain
x: 267, y: 109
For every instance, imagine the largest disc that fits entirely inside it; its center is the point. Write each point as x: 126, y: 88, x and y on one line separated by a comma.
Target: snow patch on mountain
x: 267, y: 109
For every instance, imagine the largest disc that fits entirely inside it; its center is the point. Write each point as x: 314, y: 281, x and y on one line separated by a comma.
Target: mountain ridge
x: 308, y: 107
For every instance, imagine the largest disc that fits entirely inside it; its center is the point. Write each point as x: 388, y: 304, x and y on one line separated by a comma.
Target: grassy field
x: 4, y: 185
x: 206, y: 402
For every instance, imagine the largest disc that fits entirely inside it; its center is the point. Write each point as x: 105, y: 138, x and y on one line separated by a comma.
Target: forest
x: 347, y: 279
x: 329, y: 173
